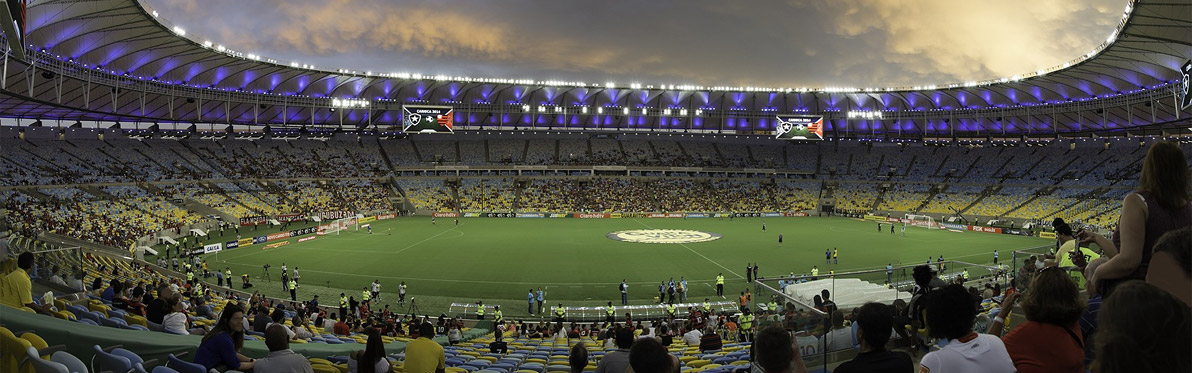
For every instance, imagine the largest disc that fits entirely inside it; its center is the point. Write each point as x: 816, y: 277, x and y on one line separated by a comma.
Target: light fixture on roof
x: 179, y: 31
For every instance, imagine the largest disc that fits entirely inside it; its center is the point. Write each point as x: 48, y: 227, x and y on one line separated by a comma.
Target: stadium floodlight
x: 541, y: 108
x: 625, y: 111
x: 600, y: 110
x: 526, y: 108
x: 644, y: 111
x: 583, y: 110
x: 179, y: 31
x: 699, y: 112
x: 558, y: 109
x: 610, y: 85
x: 683, y: 112
x: 666, y: 112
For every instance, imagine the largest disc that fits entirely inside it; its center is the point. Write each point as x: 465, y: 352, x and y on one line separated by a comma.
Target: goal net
x: 337, y: 226
x: 921, y: 221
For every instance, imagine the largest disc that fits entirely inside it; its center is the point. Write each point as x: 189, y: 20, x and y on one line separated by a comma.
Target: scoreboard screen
x: 428, y: 119
x: 799, y: 127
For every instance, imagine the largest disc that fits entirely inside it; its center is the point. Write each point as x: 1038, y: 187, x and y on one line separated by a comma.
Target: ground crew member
x: 293, y: 290
x: 498, y: 317
x: 560, y: 315
x: 720, y: 284
x: 479, y: 310
x: 746, y: 326
x: 609, y: 312
x: 343, y: 305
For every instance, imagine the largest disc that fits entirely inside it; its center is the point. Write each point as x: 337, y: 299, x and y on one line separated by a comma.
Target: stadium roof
x: 154, y: 72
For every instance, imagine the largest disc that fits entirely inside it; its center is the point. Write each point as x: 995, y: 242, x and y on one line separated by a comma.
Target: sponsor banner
x: 664, y: 215
x: 560, y: 215
x: 985, y: 229
x: 254, y: 220
x: 954, y: 226
x: 302, y: 232
x: 332, y: 215
x: 499, y: 215
x: 245, y: 242
x: 473, y: 214
x: 277, y: 236
x: 529, y: 215
x: 697, y: 215
x: 367, y: 219
x: 275, y: 245
x: 771, y: 214
x: 1046, y: 234
x: 289, y: 218
x: 445, y: 214
x: 747, y: 214
x: 198, y: 251
x: 591, y: 216
x: 893, y: 220
x: 259, y: 239
x: 304, y: 239
x: 875, y: 218
x: 386, y: 216
x: 630, y: 215
x: 614, y: 216
x: 1016, y: 231
x: 797, y: 214
x: 231, y: 244
x: 215, y: 247
x: 365, y: 226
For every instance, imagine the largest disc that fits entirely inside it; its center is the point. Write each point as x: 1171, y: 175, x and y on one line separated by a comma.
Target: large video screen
x: 427, y: 119
x: 799, y: 127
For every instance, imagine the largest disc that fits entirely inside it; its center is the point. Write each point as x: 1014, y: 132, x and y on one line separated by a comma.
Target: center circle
x: 663, y: 236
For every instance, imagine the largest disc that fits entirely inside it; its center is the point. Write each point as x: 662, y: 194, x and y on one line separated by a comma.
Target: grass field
x: 499, y: 260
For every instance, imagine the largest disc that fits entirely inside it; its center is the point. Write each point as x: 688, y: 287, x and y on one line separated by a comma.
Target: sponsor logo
x: 472, y: 215
x: 275, y: 245
x: 592, y: 216
x: 797, y: 214
x: 560, y: 215
x: 277, y: 236
x: 697, y: 215
x: 664, y: 215
x: 232, y: 244
x: 259, y: 239
x: 215, y: 247
x: 386, y: 216
x: 771, y: 214
x: 368, y: 219
x: 529, y: 215
x: 246, y: 241
x: 954, y: 226
x: 289, y: 217
x: 985, y: 229
x: 663, y: 236
x: 1047, y: 234
x: 446, y: 214
x: 304, y: 239
x: 614, y: 216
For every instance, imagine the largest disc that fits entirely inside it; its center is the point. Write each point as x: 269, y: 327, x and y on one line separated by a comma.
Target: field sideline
x: 499, y: 260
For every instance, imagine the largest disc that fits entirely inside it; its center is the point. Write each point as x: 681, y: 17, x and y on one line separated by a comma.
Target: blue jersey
x: 531, y: 297
x: 541, y: 296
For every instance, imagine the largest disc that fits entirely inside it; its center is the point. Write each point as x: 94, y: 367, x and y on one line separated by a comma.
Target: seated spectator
x: 111, y: 291
x: 692, y: 337
x: 1088, y: 318
x: 424, y: 355
x: 281, y: 359
x: 1171, y: 264
x: 1049, y: 341
x: 578, y: 358
x: 261, y: 320
x: 301, y: 330
x: 649, y: 356
x: 278, y: 318
x: 949, y: 316
x: 342, y: 327
x: 220, y: 348
x: 134, y: 305
x: 775, y: 352
x: 1142, y: 328
x: 840, y: 337
x: 498, y: 345
x: 202, y: 309
x: 710, y: 341
x: 157, y: 309
x: 372, y: 358
x: 874, y: 323
x: 617, y: 361
x: 19, y: 291
x: 453, y: 335
x: 176, y: 320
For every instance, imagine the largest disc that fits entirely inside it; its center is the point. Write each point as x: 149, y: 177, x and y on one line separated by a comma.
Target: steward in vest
x: 609, y: 313
x: 293, y: 290
x: 479, y: 310
x: 343, y: 306
x: 560, y: 316
x: 498, y: 318
x: 746, y: 326
x: 720, y: 284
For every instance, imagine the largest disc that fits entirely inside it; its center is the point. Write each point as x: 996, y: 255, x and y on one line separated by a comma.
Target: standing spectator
x: 1158, y: 342
x: 874, y: 322
x: 1049, y: 341
x: 624, y: 293
x: 1159, y: 205
x: 281, y: 359
x: 617, y: 361
x: 578, y: 358
x: 424, y: 355
x: 776, y: 352
x: 530, y: 299
x: 541, y: 299
x: 221, y: 346
x: 372, y: 358
x: 950, y: 314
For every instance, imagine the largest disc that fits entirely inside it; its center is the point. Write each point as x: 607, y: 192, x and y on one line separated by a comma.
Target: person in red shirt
x: 341, y: 327
x: 1050, y: 340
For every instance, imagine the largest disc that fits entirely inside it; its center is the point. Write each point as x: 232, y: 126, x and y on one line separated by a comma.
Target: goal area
x: 921, y: 221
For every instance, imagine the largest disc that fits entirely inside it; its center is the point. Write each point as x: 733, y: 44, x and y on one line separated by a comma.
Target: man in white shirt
x: 950, y: 315
x: 281, y: 359
x: 692, y: 337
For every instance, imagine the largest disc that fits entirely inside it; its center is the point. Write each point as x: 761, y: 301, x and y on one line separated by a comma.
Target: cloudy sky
x: 772, y: 43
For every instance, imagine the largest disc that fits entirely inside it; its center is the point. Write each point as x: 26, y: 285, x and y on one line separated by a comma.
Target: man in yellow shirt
x: 19, y: 292
x: 424, y: 355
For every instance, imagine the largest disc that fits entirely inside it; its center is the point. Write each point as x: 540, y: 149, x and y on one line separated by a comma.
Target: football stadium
x: 180, y: 203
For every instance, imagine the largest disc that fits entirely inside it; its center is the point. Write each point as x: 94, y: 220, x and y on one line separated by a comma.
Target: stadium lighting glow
x: 526, y: 108
x: 600, y: 110
x: 558, y: 109
x: 624, y: 111
x: 583, y: 110
x: 179, y: 31
x: 699, y: 112
x: 208, y: 43
x: 610, y: 85
x: 683, y: 112
x: 635, y: 86
x: 541, y: 109
x: 666, y: 112
x: 348, y: 103
x: 644, y: 112
x: 867, y: 115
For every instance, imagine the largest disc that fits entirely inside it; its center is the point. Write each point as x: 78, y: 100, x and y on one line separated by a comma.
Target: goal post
x: 337, y: 226
x: 921, y: 221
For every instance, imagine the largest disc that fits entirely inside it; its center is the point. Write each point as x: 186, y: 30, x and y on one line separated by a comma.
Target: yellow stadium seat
x: 12, y: 351
x: 697, y: 363
x: 134, y: 319
x: 323, y: 368
x: 687, y: 359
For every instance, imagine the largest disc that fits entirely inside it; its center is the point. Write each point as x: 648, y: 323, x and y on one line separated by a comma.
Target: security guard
x: 343, y: 305
x: 707, y: 306
x: 670, y: 309
x: 190, y: 276
x: 720, y: 284
x: 479, y: 310
x: 293, y: 290
x: 560, y: 316
x: 365, y: 294
x: 814, y: 272
x: 746, y: 326
x: 228, y: 275
x: 609, y: 312
x: 965, y: 274
x: 198, y: 290
x: 773, y: 306
x: 498, y: 318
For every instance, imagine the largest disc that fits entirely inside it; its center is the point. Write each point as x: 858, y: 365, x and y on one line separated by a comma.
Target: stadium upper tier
x: 118, y: 60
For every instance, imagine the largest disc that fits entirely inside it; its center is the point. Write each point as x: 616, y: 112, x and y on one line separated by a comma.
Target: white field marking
x: 349, y: 251
x: 696, y: 253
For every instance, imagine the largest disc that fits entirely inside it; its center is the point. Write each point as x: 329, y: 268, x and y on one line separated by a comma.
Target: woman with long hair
x: 1159, y: 205
x: 221, y: 346
x: 372, y: 358
x: 1050, y: 340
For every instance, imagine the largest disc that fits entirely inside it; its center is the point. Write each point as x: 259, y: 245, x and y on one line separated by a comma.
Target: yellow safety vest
x: 610, y: 310
x: 966, y: 274
x: 343, y: 302
x: 815, y: 271
x: 670, y: 308
x: 707, y: 307
x: 747, y: 322
x: 498, y: 317
x: 774, y: 306
x: 190, y: 276
x: 719, y: 280
x: 293, y: 285
x: 480, y: 310
x: 560, y: 312
x: 198, y: 288
x: 364, y: 294
x: 228, y: 274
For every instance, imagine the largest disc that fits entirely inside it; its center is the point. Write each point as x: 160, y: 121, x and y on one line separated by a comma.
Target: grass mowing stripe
x: 696, y: 253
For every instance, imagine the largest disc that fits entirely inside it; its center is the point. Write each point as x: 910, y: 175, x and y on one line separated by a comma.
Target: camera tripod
x: 413, y: 309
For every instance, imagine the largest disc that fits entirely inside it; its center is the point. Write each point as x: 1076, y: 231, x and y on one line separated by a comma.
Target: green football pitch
x: 499, y: 260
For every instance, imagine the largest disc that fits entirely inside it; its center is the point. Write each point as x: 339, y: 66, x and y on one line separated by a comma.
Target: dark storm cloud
x: 858, y: 43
